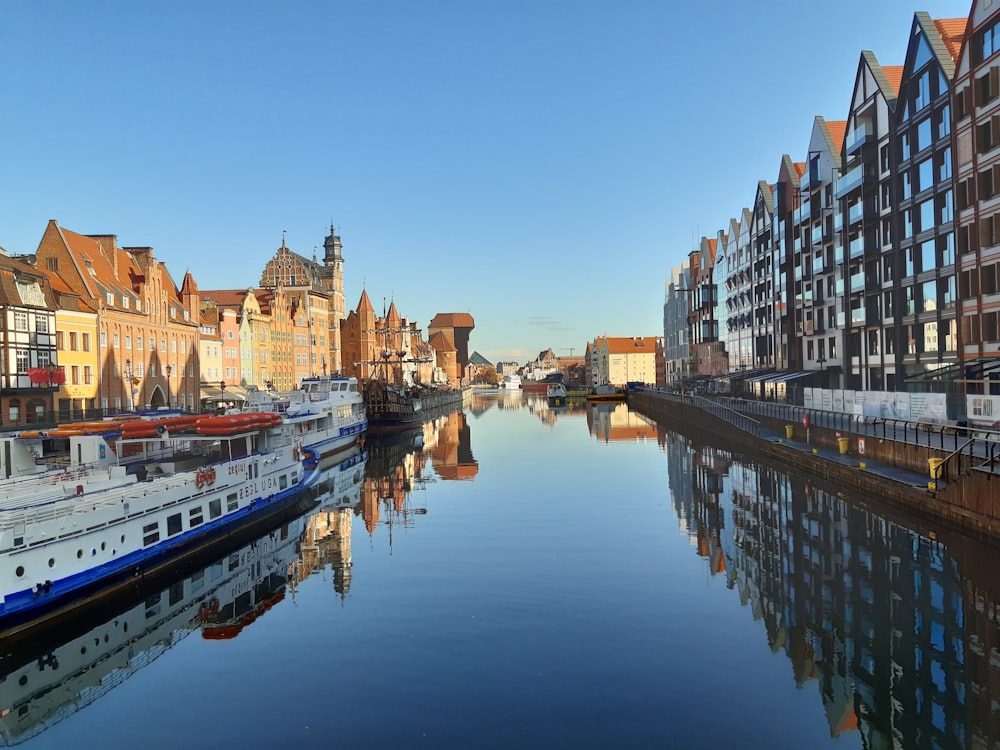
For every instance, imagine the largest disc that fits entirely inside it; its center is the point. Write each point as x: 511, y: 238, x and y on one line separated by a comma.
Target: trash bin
x: 842, y: 444
x: 788, y: 431
x: 935, y: 467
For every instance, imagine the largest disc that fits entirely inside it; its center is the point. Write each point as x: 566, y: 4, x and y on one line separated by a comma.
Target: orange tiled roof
x: 636, y: 345
x: 453, y: 320
x: 838, y: 129
x: 952, y: 32
x: 224, y: 297
x: 800, y: 168
x: 440, y: 343
x: 894, y: 75
x: 365, y: 303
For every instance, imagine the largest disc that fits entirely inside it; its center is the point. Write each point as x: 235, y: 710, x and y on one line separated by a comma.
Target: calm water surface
x: 516, y: 576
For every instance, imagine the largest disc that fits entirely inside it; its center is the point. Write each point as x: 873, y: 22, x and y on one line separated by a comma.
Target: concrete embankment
x: 889, y: 472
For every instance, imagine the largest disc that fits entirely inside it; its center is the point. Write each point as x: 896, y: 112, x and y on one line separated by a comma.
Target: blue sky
x: 540, y: 164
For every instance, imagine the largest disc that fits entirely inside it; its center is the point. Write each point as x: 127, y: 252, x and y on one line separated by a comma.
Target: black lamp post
x: 168, y: 369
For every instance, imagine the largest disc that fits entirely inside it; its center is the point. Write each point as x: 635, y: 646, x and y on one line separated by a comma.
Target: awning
x: 214, y: 393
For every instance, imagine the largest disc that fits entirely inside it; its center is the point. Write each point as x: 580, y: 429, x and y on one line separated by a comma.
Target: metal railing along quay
x: 979, y: 448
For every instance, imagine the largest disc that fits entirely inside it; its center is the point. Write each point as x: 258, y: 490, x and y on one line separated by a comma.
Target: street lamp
x: 129, y: 384
x: 168, y: 369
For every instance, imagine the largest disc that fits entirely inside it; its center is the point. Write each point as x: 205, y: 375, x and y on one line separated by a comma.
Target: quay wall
x: 970, y: 503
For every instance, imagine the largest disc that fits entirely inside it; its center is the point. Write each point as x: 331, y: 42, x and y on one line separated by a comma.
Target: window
x: 924, y: 134
x: 128, y: 341
x: 944, y: 164
x: 946, y: 244
x: 927, y: 253
x: 41, y: 324
x: 22, y: 360
x: 214, y: 508
x: 231, y: 503
x: 88, y: 375
x: 925, y: 175
x: 928, y: 292
x: 138, y: 343
x: 943, y: 119
x: 150, y: 534
x: 59, y: 341
x: 20, y: 321
x: 927, y: 215
x: 75, y: 374
x: 923, y: 97
x: 174, y: 524
x: 904, y: 146
x: 116, y: 340
x: 110, y: 299
x: 163, y: 345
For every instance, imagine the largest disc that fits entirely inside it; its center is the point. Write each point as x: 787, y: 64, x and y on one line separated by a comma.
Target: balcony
x: 855, y: 213
x: 817, y: 235
x: 857, y: 283
x: 857, y: 317
x: 818, y: 265
x: 838, y: 221
x: 858, y: 137
x: 857, y: 248
x: 850, y: 181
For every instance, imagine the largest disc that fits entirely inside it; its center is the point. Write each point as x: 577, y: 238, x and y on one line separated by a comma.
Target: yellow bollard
x: 935, y: 466
x: 842, y: 444
x: 788, y: 431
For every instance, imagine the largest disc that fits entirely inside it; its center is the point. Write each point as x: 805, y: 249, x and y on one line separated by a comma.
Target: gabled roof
x: 478, y: 359
x: 11, y: 271
x: 952, y: 31
x: 834, y: 132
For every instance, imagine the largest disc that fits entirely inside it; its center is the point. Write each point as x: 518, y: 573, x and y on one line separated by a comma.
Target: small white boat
x: 511, y: 382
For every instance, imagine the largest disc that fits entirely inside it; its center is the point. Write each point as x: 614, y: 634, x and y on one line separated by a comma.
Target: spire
x: 332, y: 248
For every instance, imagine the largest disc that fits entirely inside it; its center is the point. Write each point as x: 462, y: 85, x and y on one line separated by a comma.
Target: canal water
x: 516, y: 576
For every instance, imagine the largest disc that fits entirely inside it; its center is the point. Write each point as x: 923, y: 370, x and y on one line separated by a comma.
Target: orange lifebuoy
x: 199, y: 478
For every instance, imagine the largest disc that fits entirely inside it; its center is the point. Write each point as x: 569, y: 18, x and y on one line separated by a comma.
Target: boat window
x: 174, y: 524
x: 283, y: 481
x: 150, y: 534
x: 234, y: 561
x: 176, y: 593
x: 195, y: 517
x: 231, y: 503
x: 214, y: 508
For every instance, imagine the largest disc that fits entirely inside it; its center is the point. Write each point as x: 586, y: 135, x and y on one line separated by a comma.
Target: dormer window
x: 110, y: 298
x: 125, y: 303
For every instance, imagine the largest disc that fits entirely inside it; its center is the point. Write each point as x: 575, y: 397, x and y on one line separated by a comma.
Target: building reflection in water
x: 327, y: 537
x: 614, y: 421
x: 897, y: 628
x: 42, y: 684
x: 401, y: 463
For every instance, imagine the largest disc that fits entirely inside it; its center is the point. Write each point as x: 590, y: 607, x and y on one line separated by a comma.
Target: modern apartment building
x: 675, y: 328
x: 976, y: 117
x: 763, y: 277
x: 924, y: 241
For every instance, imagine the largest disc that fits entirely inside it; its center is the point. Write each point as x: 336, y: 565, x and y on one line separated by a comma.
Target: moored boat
x: 556, y: 394
x: 119, y: 501
x: 511, y: 383
x: 606, y: 392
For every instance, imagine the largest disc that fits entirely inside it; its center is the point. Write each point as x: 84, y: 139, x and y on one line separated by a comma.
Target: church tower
x: 333, y: 260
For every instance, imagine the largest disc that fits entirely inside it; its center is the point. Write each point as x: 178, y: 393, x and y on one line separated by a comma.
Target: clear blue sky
x: 541, y: 164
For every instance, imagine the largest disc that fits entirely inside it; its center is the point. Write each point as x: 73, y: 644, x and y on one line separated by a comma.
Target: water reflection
x: 47, y: 679
x: 895, y: 627
x: 403, y: 462
x: 614, y: 421
x: 39, y: 688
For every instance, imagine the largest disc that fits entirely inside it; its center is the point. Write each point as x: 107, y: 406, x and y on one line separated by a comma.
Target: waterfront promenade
x: 890, y: 460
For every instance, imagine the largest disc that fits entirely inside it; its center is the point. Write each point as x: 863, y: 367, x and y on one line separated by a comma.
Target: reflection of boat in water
x: 47, y: 680
x: 606, y: 392
x: 556, y: 394
x: 127, y: 500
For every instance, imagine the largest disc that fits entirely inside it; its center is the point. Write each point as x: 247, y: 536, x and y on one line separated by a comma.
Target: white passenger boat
x: 146, y: 489
x: 326, y: 414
